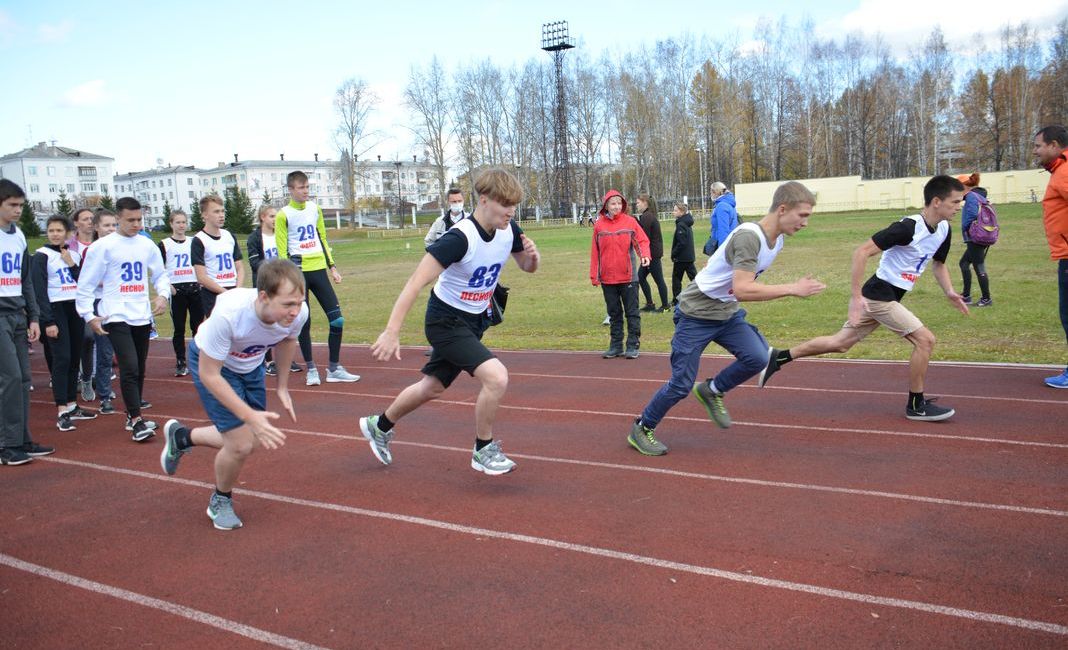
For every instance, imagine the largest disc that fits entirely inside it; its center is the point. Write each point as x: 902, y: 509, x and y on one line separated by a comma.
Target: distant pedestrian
x: 453, y: 215
x: 974, y: 253
x: 650, y: 223
x: 724, y: 217
x: 682, y: 254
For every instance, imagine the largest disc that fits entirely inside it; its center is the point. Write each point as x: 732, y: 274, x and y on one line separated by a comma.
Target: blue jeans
x: 692, y: 336
x: 105, y: 353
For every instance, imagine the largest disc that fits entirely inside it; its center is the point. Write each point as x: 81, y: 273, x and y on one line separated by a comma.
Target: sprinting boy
x: 300, y: 233
x: 908, y: 247
x: 215, y: 254
x: 466, y: 262
x: 708, y: 311
x: 177, y: 251
x: 226, y: 358
x: 18, y: 325
x: 120, y: 265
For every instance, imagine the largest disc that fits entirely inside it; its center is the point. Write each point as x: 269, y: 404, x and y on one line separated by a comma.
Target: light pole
x: 701, y: 175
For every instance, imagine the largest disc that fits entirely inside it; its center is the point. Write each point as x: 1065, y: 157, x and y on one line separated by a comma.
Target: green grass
x: 557, y: 307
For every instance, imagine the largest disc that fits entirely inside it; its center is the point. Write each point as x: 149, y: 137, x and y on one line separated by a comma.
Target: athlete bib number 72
x: 484, y: 276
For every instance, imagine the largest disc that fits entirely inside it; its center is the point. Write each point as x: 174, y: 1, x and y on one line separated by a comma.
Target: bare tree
x: 429, y: 99
x: 353, y: 101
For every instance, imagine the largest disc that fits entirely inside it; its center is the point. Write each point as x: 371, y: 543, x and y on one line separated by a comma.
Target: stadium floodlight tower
x: 555, y: 39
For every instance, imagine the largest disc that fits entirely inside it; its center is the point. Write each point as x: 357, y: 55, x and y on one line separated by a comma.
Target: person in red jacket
x: 1051, y: 151
x: 619, y: 245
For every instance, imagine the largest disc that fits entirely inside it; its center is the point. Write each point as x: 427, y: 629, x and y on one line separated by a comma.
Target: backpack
x: 984, y: 230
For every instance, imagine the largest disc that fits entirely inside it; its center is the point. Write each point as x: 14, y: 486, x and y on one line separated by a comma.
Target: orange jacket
x: 1055, y: 208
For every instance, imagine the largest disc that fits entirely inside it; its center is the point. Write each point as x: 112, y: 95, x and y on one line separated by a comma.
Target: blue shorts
x: 250, y: 387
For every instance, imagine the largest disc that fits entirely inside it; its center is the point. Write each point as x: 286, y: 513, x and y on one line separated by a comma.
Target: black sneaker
x: 106, y: 408
x: 269, y: 369
x: 770, y: 369
x: 63, y: 423
x: 148, y: 423
x: 145, y: 404
x: 649, y: 308
x: 293, y: 367
x: 33, y: 450
x: 928, y: 411
x: 11, y: 456
x: 612, y: 352
x: 78, y: 413
x: 180, y: 369
x: 141, y: 431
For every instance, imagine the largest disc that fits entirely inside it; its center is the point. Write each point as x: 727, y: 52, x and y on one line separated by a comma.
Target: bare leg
x: 923, y: 341
x: 494, y: 378
x: 234, y: 449
x: 414, y: 396
x: 842, y: 341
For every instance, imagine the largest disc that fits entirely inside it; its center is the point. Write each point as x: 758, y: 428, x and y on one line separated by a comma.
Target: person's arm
x: 594, y: 261
x: 281, y: 234
x: 641, y: 244
x: 969, y: 212
x: 320, y: 227
x: 161, y: 281
x: 941, y: 274
x: 435, y: 231
x: 856, y: 278
x: 719, y: 222
x: 239, y: 268
x: 529, y: 258
x: 39, y: 272
x: 93, y: 267
x: 388, y: 343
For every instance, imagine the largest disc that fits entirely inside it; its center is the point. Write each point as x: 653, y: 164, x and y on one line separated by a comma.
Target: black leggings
x: 678, y: 270
x: 131, y: 347
x: 65, y: 351
x: 656, y: 270
x: 975, y: 255
x: 318, y: 282
x: 184, y: 302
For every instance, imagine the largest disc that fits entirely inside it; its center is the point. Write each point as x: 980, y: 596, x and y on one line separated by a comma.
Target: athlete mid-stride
x: 466, y: 262
x: 300, y: 232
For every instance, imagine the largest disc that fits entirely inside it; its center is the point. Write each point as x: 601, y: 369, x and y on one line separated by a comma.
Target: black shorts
x: 457, y: 345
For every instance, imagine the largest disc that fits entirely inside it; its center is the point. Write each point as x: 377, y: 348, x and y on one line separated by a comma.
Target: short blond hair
x: 500, y: 185
x: 790, y: 194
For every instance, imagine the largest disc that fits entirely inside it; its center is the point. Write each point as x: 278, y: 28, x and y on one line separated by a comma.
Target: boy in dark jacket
x: 682, y: 255
x: 618, y: 245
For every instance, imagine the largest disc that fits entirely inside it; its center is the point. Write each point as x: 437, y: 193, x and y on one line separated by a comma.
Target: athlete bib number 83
x: 484, y: 276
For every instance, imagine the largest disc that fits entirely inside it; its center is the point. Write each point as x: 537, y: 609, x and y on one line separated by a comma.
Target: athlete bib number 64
x: 484, y: 276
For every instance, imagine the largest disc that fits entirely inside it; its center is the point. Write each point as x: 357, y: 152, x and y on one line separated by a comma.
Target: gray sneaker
x: 641, y: 438
x: 491, y: 460
x: 221, y: 511
x: 378, y: 438
x: 313, y: 377
x: 713, y: 403
x: 339, y: 375
x: 86, y: 388
x: 171, y: 454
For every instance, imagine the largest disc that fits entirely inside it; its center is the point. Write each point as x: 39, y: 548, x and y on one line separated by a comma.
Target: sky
x: 195, y: 82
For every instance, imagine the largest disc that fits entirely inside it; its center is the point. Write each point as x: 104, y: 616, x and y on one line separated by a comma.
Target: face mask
x: 456, y: 208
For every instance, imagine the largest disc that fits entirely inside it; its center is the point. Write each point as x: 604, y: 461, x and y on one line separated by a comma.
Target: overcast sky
x: 195, y: 82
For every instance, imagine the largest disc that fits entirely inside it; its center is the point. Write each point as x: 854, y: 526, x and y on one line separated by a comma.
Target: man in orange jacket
x: 1051, y: 151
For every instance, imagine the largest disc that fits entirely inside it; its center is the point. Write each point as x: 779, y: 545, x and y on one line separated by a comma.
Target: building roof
x: 45, y: 150
x: 158, y: 171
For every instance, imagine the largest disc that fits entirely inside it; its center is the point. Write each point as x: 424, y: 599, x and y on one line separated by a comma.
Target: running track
x: 822, y: 518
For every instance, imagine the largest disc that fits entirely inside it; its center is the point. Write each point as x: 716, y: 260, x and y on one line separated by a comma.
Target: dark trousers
x: 14, y: 380
x: 656, y: 270
x: 131, y: 347
x: 975, y: 255
x: 207, y: 301
x: 678, y: 270
x: 184, y: 303
x: 622, y: 300
x: 65, y: 350
x: 87, y: 353
x: 1062, y: 288
x: 318, y: 283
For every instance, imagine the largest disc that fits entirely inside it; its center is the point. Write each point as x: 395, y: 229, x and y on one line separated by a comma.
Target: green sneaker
x: 641, y: 438
x: 377, y: 438
x: 713, y: 403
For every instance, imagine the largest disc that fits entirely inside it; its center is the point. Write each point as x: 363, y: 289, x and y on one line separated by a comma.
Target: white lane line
x: 733, y: 576
x: 224, y: 624
x: 696, y: 475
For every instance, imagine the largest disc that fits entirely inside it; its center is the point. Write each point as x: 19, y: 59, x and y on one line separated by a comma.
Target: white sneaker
x: 339, y: 375
x: 491, y: 460
x: 312, y: 378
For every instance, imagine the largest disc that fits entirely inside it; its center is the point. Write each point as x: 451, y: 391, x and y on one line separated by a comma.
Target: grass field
x: 558, y: 308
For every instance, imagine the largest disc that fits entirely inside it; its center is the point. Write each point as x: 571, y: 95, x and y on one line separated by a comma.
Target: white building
x: 45, y: 169
x: 175, y: 185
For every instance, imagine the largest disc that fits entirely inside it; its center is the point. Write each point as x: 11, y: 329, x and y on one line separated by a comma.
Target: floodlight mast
x: 555, y: 38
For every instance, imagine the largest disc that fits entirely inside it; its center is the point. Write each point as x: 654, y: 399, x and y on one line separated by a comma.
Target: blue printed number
x: 65, y: 276
x: 226, y: 262
x: 11, y: 262
x: 270, y: 253
x: 484, y: 277
x: 181, y: 260
x: 306, y: 233
x: 919, y: 265
x: 132, y: 271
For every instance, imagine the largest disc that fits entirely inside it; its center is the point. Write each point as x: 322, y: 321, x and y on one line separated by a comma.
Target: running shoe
x: 13, y: 456
x: 106, y: 407
x: 1059, y: 381
x: 86, y: 389
x: 171, y: 454
x: 641, y: 438
x: 78, y: 413
x: 713, y: 403
x: 313, y: 377
x: 148, y: 423
x: 928, y: 411
x: 34, y: 450
x: 339, y: 375
x: 270, y: 370
x: 141, y: 431
x: 221, y: 511
x: 378, y: 438
x: 63, y: 422
x: 180, y: 369
x: 491, y: 460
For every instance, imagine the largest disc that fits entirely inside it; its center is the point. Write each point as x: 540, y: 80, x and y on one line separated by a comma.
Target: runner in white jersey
x: 215, y: 254
x: 708, y: 311
x: 121, y: 265
x: 263, y: 247
x: 226, y: 357
x: 55, y: 279
x: 466, y: 262
x: 907, y: 247
x: 177, y: 253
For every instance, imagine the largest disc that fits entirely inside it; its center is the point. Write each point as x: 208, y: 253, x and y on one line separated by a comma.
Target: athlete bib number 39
x: 484, y: 276
x: 132, y: 271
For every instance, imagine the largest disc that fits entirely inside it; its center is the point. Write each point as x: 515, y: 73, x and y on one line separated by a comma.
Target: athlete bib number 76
x: 484, y: 276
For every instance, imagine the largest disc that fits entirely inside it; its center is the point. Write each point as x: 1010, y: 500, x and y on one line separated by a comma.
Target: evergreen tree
x: 64, y: 205
x: 167, y: 216
x: 28, y: 221
x: 196, y: 221
x: 238, y: 211
x: 107, y: 202
x: 266, y: 197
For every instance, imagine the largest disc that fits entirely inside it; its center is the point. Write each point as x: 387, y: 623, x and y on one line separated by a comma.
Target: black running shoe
x: 34, y: 450
x: 78, y: 413
x: 928, y: 411
x: 63, y: 423
x: 770, y: 369
x: 180, y: 369
x: 13, y: 456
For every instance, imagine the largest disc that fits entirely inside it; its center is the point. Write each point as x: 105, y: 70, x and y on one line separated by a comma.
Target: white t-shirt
x: 121, y: 266
x: 235, y: 335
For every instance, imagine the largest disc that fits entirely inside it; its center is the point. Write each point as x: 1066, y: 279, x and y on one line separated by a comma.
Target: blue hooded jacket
x: 724, y: 217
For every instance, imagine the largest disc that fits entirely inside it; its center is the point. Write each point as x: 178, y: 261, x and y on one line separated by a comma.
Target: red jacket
x: 1055, y: 208
x: 617, y: 245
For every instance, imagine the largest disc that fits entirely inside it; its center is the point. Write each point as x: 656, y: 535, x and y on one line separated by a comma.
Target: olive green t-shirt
x: 741, y: 251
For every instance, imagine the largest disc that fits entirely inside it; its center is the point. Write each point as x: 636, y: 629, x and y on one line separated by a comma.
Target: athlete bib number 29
x: 484, y: 276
